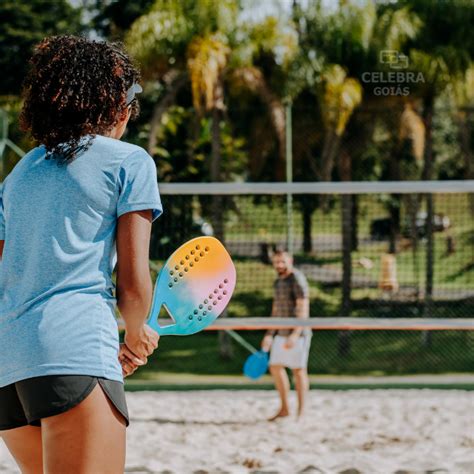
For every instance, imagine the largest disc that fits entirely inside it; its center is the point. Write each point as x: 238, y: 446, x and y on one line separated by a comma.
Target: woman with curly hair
x: 73, y: 207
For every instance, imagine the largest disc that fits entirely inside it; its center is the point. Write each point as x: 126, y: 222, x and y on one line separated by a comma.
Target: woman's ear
x: 125, y: 115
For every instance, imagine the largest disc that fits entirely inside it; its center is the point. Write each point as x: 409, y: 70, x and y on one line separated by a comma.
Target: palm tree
x: 339, y: 96
x: 200, y: 44
x: 348, y: 41
x: 441, y: 65
x: 464, y: 97
x: 158, y: 40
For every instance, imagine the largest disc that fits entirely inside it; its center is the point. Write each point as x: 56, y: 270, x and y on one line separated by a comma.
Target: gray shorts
x: 294, y: 358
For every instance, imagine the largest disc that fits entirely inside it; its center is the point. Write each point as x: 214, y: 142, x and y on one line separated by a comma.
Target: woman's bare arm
x: 134, y: 287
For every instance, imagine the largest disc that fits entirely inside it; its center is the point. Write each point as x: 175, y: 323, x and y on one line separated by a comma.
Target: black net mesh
x: 382, y: 259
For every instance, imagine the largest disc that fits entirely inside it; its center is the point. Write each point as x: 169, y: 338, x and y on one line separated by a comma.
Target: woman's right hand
x: 142, y: 342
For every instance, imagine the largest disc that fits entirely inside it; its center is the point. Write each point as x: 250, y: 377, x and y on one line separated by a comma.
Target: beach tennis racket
x: 195, y: 285
x: 256, y: 365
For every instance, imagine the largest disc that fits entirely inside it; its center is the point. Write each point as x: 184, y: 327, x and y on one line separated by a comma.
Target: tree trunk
x: 468, y: 154
x: 160, y: 108
x: 428, y: 175
x: 395, y: 199
x: 217, y: 202
x: 428, y: 312
x: 394, y: 210
x: 331, y: 146
x: 346, y: 227
x: 216, y: 166
x: 256, y: 82
x: 276, y: 111
x: 355, y: 222
x: 307, y: 234
x: 413, y: 206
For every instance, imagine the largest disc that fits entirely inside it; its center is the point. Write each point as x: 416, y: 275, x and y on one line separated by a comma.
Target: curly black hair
x: 75, y: 88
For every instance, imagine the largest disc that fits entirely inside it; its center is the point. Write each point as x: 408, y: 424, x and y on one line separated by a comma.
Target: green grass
x: 267, y: 218
x: 254, y: 290
x: 450, y: 271
x: 261, y: 222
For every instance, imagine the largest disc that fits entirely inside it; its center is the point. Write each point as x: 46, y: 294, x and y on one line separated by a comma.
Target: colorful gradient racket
x: 195, y: 285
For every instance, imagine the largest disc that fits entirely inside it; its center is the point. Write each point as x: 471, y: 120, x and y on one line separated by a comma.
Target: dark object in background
x: 177, y: 225
x: 450, y: 245
x: 380, y: 228
x: 167, y: 241
x: 266, y: 252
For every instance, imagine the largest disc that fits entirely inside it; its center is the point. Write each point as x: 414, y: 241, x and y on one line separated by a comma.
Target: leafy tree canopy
x: 25, y: 23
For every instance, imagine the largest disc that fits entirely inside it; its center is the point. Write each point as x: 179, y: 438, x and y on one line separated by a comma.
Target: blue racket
x: 256, y: 365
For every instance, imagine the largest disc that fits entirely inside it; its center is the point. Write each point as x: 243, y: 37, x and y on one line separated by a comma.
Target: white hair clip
x: 134, y: 89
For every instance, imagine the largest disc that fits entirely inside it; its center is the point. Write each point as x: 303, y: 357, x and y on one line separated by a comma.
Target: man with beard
x: 289, y: 347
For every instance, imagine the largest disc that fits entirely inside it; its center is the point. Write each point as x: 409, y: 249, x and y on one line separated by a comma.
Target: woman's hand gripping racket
x: 195, y: 285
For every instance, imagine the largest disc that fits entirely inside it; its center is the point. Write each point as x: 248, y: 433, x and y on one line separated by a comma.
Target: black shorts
x: 27, y: 401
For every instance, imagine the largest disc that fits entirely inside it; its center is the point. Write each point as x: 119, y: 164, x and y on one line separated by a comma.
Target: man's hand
x: 129, y: 361
x: 291, y: 340
x: 267, y: 343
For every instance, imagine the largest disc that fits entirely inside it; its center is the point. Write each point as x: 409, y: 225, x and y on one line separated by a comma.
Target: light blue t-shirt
x: 57, y: 305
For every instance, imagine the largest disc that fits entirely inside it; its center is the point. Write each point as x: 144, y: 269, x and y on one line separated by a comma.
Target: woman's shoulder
x: 26, y: 160
x: 119, y: 148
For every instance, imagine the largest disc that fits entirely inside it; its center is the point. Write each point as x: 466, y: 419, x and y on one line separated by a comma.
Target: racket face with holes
x: 195, y: 285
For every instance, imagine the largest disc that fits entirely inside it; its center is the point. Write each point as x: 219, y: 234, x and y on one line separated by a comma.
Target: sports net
x: 334, y: 351
x: 368, y: 250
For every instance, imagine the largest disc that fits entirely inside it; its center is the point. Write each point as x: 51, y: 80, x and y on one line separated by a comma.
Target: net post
x: 289, y: 178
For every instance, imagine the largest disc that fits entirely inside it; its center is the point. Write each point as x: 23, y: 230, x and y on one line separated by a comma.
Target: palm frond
x: 206, y: 58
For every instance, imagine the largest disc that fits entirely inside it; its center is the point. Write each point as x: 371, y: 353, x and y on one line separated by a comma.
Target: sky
x: 258, y: 9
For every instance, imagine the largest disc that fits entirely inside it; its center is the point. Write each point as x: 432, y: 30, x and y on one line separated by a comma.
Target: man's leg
x: 302, y: 386
x: 282, y: 384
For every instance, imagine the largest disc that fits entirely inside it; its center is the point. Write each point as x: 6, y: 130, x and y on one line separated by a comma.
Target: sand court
x: 365, y: 431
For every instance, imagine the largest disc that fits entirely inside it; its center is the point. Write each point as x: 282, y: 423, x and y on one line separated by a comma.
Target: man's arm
x: 301, y: 293
x: 271, y: 332
x: 268, y: 338
x: 301, y: 312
